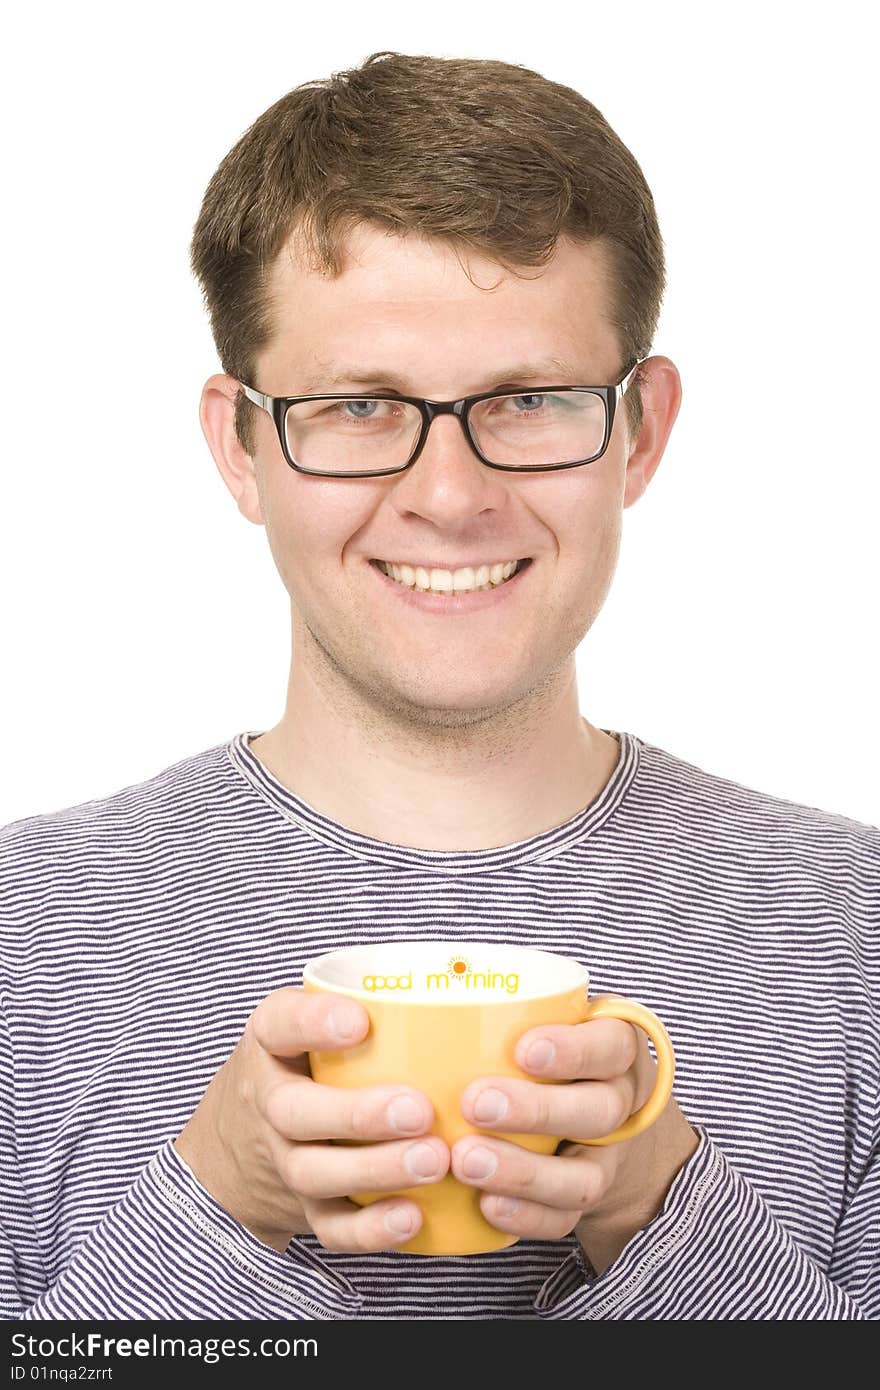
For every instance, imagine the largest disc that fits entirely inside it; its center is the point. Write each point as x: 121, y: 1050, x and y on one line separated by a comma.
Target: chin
x: 446, y: 709
x: 444, y: 717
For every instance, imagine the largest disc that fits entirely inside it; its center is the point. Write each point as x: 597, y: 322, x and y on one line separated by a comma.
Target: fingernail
x: 541, y: 1054
x: 506, y: 1206
x: 422, y: 1161
x: 491, y: 1105
x: 479, y: 1163
x: 400, y: 1221
x: 343, y: 1022
x: 405, y: 1115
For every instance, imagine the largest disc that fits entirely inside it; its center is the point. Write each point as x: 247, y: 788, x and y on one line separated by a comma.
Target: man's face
x: 404, y: 308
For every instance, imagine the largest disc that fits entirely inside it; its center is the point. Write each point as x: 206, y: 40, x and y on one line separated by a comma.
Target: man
x: 415, y: 230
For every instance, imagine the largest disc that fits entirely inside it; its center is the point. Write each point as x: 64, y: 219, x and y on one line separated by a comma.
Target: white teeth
x: 440, y: 581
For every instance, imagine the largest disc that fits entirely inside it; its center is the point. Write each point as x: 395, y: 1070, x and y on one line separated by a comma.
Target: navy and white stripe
x: 138, y: 932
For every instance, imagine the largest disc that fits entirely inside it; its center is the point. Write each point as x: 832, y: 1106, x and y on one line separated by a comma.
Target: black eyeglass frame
x: 277, y: 406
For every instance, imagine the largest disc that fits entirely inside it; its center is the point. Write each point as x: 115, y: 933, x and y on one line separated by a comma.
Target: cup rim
x: 573, y: 974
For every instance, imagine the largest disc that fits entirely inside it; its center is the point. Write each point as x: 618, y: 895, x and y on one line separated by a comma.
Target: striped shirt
x: 138, y: 932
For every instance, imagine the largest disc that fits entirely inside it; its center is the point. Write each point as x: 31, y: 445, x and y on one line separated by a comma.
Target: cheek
x: 312, y: 528
x: 590, y: 529
x: 605, y: 547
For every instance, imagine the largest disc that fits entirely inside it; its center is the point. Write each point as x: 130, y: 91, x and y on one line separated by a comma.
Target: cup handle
x: 630, y: 1012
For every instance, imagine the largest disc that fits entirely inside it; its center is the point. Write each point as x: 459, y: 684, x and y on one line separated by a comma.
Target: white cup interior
x: 454, y: 972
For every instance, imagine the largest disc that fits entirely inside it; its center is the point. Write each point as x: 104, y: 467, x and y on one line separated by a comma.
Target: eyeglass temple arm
x: 257, y: 397
x: 624, y: 383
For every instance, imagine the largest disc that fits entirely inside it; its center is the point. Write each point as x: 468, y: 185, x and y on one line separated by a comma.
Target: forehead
x: 409, y: 296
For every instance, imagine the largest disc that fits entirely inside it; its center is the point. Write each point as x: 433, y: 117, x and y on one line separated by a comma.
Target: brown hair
x: 484, y: 155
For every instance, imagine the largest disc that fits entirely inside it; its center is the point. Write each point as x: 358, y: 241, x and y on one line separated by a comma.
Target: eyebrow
x: 545, y: 369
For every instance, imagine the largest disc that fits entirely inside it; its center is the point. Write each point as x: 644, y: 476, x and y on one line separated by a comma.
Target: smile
x: 469, y: 579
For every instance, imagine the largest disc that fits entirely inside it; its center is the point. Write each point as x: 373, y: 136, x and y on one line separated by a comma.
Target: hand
x: 257, y: 1139
x: 605, y: 1194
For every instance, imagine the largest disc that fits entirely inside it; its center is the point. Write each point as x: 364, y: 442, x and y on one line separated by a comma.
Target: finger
x: 597, y: 1050
x: 292, y: 1021
x: 327, y: 1170
x: 302, y: 1109
x: 342, y: 1225
x: 574, y: 1181
x: 528, y: 1220
x: 578, y: 1110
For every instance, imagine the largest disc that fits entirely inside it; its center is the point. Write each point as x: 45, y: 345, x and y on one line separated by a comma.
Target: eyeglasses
x: 346, y: 436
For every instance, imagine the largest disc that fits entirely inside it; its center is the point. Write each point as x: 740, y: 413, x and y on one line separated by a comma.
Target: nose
x: 448, y: 482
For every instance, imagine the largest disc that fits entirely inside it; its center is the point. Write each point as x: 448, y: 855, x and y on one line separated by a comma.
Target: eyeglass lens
x: 528, y: 430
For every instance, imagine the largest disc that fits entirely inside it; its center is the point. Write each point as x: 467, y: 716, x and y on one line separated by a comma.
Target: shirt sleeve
x: 716, y: 1251
x: 166, y: 1249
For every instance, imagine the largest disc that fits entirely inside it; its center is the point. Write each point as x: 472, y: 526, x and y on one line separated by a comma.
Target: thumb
x: 291, y: 1021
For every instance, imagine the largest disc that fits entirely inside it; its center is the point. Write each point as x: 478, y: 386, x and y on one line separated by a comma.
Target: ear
x: 236, y: 468
x: 660, y: 386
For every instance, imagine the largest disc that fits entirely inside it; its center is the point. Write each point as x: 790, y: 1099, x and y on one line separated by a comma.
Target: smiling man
x: 436, y: 610
x: 434, y: 285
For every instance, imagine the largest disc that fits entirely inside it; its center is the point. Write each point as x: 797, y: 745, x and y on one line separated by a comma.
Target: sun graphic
x: 458, y: 967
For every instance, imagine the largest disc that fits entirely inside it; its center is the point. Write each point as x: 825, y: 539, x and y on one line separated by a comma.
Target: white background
x: 142, y: 617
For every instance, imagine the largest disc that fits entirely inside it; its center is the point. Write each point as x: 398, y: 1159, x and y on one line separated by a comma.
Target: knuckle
x: 613, y: 1109
x: 360, y: 1237
x: 258, y: 1028
x: 281, y: 1012
x: 331, y: 1238
x: 566, y: 1222
x: 291, y: 1171
x: 351, y: 1234
x: 276, y: 1107
x: 305, y: 1177
x: 623, y: 1103
x: 373, y: 1157
x: 361, y: 1121
x: 251, y: 1034
x: 585, y: 1057
x: 528, y: 1175
x: 590, y: 1187
x: 287, y: 1166
x: 633, y: 1045
x: 542, y: 1109
x: 246, y: 1091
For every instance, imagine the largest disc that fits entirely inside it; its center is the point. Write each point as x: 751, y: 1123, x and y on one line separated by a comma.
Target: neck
x: 435, y: 779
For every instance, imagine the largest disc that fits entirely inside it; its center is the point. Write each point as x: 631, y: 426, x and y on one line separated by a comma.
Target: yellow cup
x: 443, y: 1013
